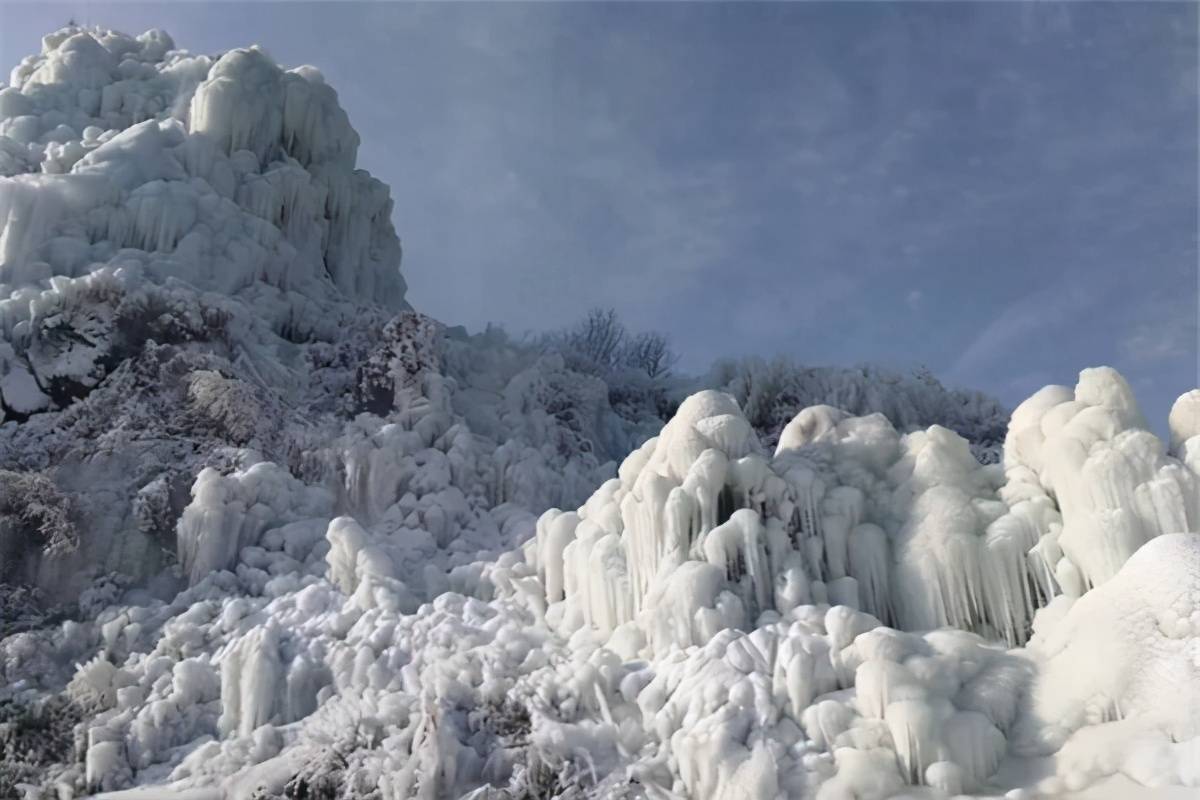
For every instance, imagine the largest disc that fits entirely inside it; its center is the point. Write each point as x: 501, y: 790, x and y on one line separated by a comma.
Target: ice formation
x: 704, y: 533
x: 910, y: 529
x: 311, y: 543
x: 231, y: 175
x: 1115, y: 486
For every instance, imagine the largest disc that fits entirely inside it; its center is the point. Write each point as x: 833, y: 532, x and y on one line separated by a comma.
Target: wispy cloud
x: 998, y: 190
x: 1168, y: 339
x: 1022, y: 327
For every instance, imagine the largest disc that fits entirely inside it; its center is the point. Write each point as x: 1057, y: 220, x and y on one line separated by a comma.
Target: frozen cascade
x: 1110, y: 480
x: 250, y: 676
x: 906, y: 528
x: 204, y: 326
x: 231, y: 512
x: 238, y: 170
x: 919, y: 536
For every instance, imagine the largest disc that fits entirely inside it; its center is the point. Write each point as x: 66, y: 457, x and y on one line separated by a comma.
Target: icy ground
x: 265, y: 531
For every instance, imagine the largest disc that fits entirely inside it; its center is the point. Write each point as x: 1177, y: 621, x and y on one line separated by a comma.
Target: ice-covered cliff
x: 194, y: 274
x: 304, y: 542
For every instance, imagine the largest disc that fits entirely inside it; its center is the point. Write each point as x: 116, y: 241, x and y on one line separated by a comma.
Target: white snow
x: 1140, y: 714
x: 365, y: 553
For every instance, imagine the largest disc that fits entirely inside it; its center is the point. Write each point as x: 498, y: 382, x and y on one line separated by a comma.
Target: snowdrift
x: 1142, y: 626
x: 309, y: 543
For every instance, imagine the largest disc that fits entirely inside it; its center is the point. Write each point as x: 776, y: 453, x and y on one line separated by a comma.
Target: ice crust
x: 365, y: 554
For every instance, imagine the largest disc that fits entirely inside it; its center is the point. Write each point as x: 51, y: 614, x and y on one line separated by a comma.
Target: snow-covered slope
x: 305, y: 542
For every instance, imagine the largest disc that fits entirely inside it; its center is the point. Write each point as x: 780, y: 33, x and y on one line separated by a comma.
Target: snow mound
x: 1143, y: 703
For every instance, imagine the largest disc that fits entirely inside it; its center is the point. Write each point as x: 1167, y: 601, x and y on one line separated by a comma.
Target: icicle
x: 877, y: 683
x: 915, y: 727
x: 251, y: 680
x: 610, y: 589
x: 792, y: 586
x: 869, y: 558
x: 975, y: 745
x: 737, y: 548
x: 681, y: 527
x: 705, y: 481
x: 642, y: 514
x: 555, y: 530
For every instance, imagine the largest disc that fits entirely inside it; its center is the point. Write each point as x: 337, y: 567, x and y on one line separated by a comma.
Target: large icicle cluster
x: 704, y: 534
x: 1114, y: 485
x: 124, y: 156
x: 704, y: 530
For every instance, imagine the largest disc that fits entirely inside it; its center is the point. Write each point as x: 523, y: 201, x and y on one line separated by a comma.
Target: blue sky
x: 1006, y: 192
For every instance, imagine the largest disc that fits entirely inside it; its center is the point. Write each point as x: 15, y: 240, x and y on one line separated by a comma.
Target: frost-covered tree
x: 593, y: 344
x: 601, y: 344
x: 407, y: 349
x: 651, y: 353
x: 34, y: 736
x: 227, y: 404
x: 772, y: 392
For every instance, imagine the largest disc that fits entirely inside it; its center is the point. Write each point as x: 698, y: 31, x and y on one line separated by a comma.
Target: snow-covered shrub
x: 322, y: 778
x: 101, y: 593
x: 77, y: 333
x: 33, y: 737
x: 595, y: 345
x: 540, y: 778
x: 772, y: 392
x: 24, y: 607
x: 32, y: 505
x: 649, y: 352
x: 636, y: 368
x: 228, y: 406
x: 391, y: 373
